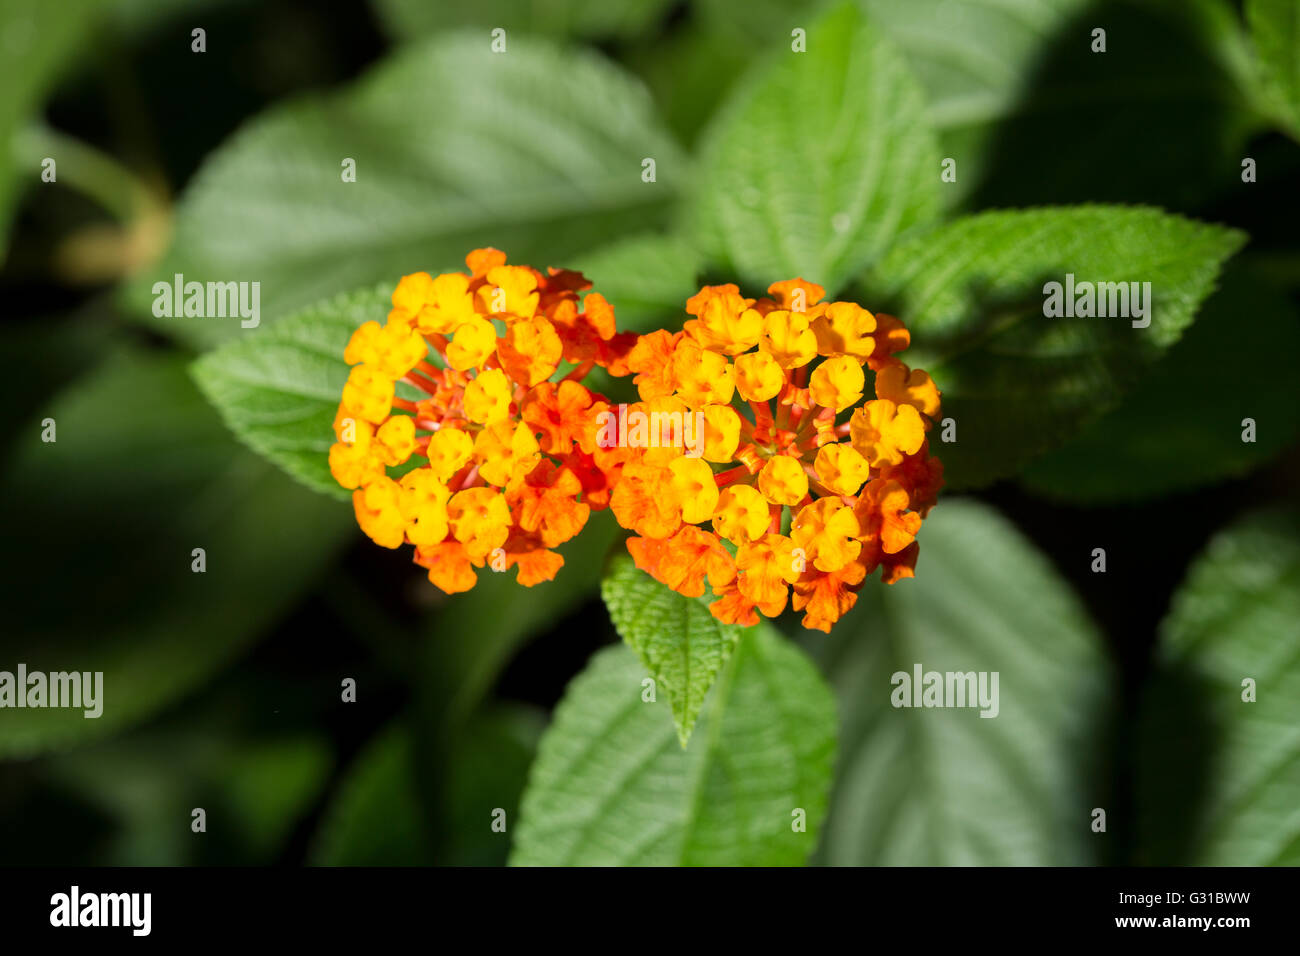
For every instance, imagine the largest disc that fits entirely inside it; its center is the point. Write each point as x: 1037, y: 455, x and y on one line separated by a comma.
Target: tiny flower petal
x: 510, y: 290
x: 841, y: 468
x: 487, y: 397
x: 449, y: 451
x: 368, y: 394
x: 742, y: 514
x: 783, y: 480
x: 480, y: 520
x: 395, y: 440
x: 796, y: 295
x: 721, y: 432
x: 913, y: 387
x: 768, y: 567
x: 837, y: 383
x: 424, y: 507
x: 827, y: 531
x: 473, y: 342
x: 725, y: 324
x: 413, y: 292
x: 504, y: 451
x: 693, y: 489
x: 450, y: 569
x: 788, y: 338
x: 530, y: 351
x: 378, y: 508
x: 449, y: 305
x: 758, y: 377
x: 702, y: 376
x: 883, y: 433
x: 845, y: 328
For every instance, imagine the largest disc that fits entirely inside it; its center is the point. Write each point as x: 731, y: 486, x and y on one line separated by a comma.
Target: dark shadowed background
x: 223, y: 688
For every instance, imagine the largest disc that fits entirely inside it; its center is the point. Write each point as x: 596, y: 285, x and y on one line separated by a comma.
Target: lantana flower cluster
x: 804, y: 494
x: 495, y: 462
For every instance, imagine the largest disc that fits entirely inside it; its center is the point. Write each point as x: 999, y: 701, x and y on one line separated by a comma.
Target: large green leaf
x: 404, y: 19
x: 680, y: 642
x: 486, y: 774
x: 537, y: 151
x: 104, y: 521
x: 973, y: 58
x: 612, y: 785
x: 1030, y: 113
x: 945, y: 786
x: 375, y: 818
x: 820, y: 161
x: 1016, y: 381
x: 758, y: 22
x: 1181, y: 426
x: 691, y: 70
x: 1218, y: 776
x: 279, y: 389
x: 976, y: 60
x: 1275, y: 29
x: 378, y: 816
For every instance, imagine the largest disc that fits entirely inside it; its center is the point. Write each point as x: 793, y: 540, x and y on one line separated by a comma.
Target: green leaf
x: 1219, y: 777
x: 538, y: 152
x: 976, y: 60
x: 404, y: 19
x: 375, y: 819
x: 100, y: 547
x: 820, y: 161
x: 1181, y: 426
x: 973, y: 58
x: 486, y: 773
x: 269, y: 784
x: 690, y: 71
x: 378, y: 816
x: 612, y: 786
x: 1030, y: 114
x: 1275, y: 30
x: 680, y: 642
x: 1016, y: 381
x: 279, y: 388
x: 945, y: 786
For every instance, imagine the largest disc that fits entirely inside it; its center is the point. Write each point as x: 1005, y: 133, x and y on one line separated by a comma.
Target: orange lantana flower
x: 812, y: 490
x: 506, y: 466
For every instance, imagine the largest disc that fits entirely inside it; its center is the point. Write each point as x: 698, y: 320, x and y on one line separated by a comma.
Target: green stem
x: 97, y: 176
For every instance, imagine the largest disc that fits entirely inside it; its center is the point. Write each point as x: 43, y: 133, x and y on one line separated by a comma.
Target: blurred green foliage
x: 224, y: 688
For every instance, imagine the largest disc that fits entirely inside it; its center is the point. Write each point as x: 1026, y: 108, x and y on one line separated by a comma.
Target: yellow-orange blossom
x: 856, y: 489
x: 513, y: 465
x: 510, y: 467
